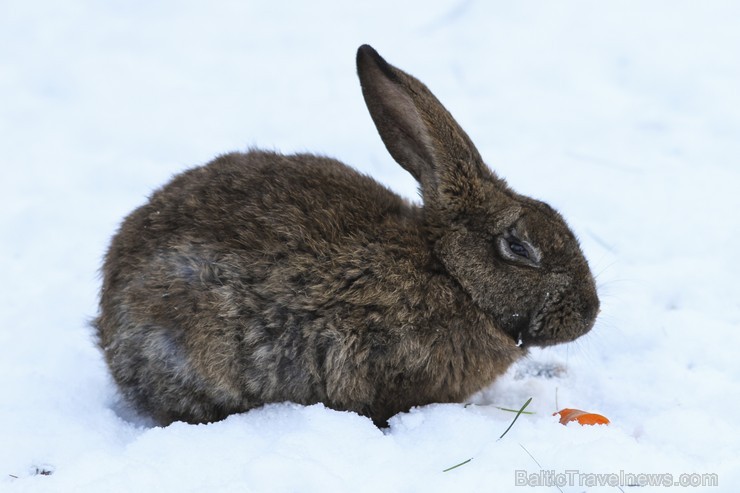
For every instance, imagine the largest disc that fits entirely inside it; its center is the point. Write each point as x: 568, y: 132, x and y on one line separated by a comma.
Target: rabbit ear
x: 422, y: 136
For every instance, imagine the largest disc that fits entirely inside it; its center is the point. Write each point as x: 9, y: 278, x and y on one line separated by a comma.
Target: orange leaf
x: 584, y: 418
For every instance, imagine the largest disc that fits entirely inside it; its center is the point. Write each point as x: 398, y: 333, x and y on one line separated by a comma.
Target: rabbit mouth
x: 534, y: 331
x: 516, y: 326
x: 557, y: 321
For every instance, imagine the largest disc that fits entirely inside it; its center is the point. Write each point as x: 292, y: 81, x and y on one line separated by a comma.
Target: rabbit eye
x: 518, y: 249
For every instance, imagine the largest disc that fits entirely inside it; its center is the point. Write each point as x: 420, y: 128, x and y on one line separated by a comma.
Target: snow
x: 623, y: 115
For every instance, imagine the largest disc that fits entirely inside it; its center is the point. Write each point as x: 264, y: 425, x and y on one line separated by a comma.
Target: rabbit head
x: 514, y: 256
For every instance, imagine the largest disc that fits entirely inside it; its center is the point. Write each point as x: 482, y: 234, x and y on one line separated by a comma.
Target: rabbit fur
x: 261, y: 277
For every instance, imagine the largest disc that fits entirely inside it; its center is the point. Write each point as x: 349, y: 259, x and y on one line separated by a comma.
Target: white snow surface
x: 623, y: 115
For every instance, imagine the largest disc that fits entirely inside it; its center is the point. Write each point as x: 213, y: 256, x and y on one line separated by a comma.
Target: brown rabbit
x: 262, y: 278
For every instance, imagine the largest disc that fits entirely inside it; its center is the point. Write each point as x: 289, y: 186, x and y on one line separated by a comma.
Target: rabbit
x: 263, y: 278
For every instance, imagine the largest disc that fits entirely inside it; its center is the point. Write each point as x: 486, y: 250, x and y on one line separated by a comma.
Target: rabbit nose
x: 590, y: 309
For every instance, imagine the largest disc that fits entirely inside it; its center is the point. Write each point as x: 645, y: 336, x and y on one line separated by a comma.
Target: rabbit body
x: 262, y: 277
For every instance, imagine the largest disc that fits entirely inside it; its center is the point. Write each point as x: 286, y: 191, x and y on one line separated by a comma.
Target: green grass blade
x: 519, y: 413
x: 458, y: 465
x: 514, y: 410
